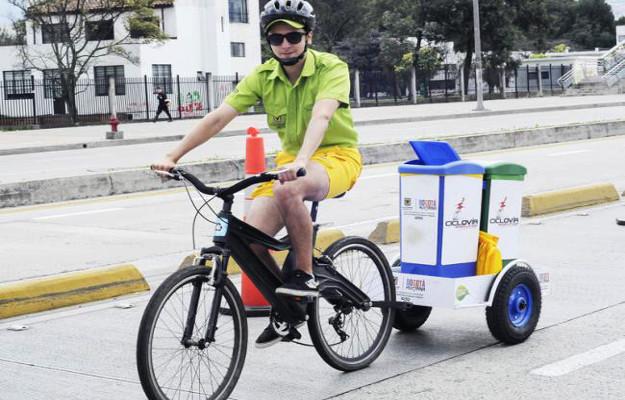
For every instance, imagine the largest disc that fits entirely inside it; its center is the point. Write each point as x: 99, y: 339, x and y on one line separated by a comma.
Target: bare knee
x: 287, y: 195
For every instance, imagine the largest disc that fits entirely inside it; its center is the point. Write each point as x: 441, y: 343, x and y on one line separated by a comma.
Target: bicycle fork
x: 209, y: 337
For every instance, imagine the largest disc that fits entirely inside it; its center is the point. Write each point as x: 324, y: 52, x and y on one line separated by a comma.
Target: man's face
x: 284, y: 32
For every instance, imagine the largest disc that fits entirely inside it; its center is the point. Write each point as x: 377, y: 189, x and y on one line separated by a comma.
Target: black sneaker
x: 276, y: 332
x: 299, y: 284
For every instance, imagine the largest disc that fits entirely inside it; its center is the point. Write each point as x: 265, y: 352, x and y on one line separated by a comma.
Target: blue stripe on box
x: 401, y: 217
x: 439, y: 228
x: 446, y: 271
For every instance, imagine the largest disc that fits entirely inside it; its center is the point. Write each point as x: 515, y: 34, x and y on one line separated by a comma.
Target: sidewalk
x: 16, y: 142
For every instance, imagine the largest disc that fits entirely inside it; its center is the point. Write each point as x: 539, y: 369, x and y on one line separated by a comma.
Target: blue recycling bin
x: 440, y: 206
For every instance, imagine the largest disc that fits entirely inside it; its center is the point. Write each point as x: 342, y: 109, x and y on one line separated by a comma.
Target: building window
x: 237, y: 49
x: 238, y: 11
x: 161, y: 77
x: 102, y: 75
x: 544, y: 74
x: 100, y: 30
x: 52, y: 86
x: 54, y: 33
x: 18, y: 85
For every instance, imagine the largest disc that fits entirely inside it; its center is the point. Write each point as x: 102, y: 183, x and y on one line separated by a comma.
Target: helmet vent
x: 299, y: 6
x: 276, y: 5
x: 288, y: 4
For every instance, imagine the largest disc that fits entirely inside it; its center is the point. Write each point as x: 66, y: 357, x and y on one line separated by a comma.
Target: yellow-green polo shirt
x: 289, y: 107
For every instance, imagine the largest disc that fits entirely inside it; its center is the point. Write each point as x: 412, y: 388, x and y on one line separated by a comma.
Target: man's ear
x: 309, y: 37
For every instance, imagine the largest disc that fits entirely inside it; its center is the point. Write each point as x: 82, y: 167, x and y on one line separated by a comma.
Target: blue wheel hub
x: 520, y: 306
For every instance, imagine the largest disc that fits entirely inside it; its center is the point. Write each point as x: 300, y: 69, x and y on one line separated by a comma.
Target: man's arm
x: 322, y: 112
x: 208, y: 127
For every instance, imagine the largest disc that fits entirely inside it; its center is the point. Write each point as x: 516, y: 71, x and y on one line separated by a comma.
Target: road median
x: 47, y: 293
x: 16, y: 194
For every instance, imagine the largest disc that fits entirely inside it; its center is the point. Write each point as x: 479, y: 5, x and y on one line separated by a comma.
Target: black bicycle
x: 192, y: 339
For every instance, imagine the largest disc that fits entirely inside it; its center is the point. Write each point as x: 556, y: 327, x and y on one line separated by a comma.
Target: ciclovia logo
x: 457, y: 220
x: 500, y: 219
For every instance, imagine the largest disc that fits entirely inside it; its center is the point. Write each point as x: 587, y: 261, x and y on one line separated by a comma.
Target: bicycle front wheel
x: 346, y: 337
x: 170, y: 369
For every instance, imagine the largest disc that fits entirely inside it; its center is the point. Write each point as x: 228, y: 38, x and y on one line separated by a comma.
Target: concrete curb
x: 42, y: 294
x: 324, y: 239
x: 239, y: 132
x: 388, y: 232
x: 128, y: 181
x: 566, y: 199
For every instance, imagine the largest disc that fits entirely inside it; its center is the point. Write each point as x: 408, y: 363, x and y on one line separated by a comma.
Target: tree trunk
x: 467, y: 69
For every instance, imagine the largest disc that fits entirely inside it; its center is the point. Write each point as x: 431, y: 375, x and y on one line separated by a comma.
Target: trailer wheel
x: 516, y: 306
x: 412, y: 318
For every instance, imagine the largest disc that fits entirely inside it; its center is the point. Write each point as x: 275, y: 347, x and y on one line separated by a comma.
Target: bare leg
x: 265, y: 216
x: 290, y: 198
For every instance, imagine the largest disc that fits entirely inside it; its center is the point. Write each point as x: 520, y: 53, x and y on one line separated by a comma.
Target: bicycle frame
x: 233, y: 238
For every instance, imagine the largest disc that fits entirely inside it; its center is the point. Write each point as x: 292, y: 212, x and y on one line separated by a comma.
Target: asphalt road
x: 88, y: 352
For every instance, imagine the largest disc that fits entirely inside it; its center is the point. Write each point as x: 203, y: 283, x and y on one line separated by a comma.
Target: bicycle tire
x: 333, y: 350
x: 166, y: 301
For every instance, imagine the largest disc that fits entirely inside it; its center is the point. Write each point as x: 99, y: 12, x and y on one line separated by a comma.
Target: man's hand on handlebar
x: 167, y: 164
x: 289, y: 172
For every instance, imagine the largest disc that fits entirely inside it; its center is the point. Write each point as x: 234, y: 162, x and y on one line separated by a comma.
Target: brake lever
x: 166, y: 176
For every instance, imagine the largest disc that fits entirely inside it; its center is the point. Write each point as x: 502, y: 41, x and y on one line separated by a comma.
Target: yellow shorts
x: 343, y: 165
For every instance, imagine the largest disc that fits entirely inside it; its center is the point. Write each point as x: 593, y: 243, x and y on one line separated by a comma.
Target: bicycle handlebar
x: 179, y: 173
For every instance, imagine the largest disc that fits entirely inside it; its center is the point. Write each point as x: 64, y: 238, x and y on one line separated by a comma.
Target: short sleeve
x: 334, y: 84
x: 246, y: 94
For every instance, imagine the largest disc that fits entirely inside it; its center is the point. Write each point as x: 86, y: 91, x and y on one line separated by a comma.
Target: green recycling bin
x: 501, y: 206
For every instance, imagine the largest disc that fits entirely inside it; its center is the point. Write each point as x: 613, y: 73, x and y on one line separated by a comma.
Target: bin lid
x: 505, y: 170
x: 434, y: 153
x: 452, y: 168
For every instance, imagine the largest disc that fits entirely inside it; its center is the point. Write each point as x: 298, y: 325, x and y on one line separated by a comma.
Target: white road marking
x: 78, y: 213
x: 578, y: 361
x: 567, y: 153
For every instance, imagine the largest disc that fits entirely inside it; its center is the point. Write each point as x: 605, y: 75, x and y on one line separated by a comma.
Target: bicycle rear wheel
x: 345, y: 337
x: 170, y: 370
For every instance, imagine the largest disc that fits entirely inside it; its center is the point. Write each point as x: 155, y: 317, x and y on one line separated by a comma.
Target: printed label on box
x: 504, y: 215
x: 461, y: 219
x: 419, y: 218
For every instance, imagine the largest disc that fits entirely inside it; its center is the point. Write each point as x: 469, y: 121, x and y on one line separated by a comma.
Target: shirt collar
x: 308, y: 70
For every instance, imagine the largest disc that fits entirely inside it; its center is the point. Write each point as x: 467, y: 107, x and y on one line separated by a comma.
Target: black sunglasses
x: 276, y: 39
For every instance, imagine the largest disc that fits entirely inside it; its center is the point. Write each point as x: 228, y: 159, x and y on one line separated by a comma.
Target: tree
x: 503, y: 24
x: 338, y: 20
x: 13, y: 37
x: 594, y: 24
x: 78, y: 32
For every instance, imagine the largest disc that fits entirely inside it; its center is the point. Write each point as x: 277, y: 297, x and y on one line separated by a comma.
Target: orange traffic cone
x: 255, y: 303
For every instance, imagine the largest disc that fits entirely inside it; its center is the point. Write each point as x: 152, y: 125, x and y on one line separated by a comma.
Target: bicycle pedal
x: 292, y: 335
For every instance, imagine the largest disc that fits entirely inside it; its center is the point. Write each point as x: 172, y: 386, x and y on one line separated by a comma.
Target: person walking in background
x: 163, y: 104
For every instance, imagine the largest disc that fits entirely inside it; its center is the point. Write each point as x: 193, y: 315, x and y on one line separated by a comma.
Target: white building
x: 620, y: 33
x: 217, y: 36
x: 205, y: 36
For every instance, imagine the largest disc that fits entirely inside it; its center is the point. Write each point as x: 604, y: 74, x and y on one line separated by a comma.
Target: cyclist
x: 306, y: 96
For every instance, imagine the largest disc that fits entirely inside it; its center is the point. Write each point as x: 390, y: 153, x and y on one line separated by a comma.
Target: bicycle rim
x: 367, y: 331
x: 209, y: 373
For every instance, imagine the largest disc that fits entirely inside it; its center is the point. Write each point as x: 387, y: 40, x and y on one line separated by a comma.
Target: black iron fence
x: 41, y: 102
x: 385, y: 87
x: 28, y: 103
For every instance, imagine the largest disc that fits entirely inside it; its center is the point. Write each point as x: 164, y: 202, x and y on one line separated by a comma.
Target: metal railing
x: 580, y: 72
x: 41, y: 102
x: 615, y: 74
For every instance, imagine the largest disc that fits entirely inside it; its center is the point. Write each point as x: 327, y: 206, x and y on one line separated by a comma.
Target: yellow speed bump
x: 324, y: 239
x: 386, y: 232
x: 41, y: 294
x: 566, y: 199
